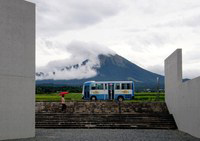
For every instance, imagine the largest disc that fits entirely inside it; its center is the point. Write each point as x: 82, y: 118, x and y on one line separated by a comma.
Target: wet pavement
x: 109, y: 135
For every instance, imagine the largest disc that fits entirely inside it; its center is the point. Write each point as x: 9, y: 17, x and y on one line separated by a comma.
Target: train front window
x: 129, y: 86
x: 93, y: 86
x: 117, y: 86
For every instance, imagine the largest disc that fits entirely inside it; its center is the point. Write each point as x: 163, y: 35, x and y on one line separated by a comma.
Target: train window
x: 100, y: 86
x: 117, y: 86
x: 129, y: 86
x: 126, y: 86
x: 123, y: 86
x: 106, y: 87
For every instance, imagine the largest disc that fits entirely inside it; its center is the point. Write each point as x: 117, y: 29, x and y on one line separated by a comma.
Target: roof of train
x: 109, y: 82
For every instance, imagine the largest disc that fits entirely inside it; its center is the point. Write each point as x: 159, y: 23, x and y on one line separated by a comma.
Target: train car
x: 108, y: 90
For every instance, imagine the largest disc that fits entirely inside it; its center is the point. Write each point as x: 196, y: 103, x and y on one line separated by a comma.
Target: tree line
x: 47, y: 89
x: 57, y: 89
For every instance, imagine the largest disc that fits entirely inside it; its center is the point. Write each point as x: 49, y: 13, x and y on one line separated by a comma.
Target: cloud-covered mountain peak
x: 109, y: 68
x: 82, y: 62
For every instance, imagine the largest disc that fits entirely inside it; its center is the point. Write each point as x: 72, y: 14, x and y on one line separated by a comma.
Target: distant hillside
x: 112, y: 67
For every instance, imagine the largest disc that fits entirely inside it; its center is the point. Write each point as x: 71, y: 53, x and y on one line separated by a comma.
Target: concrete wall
x: 182, y: 98
x: 17, y: 69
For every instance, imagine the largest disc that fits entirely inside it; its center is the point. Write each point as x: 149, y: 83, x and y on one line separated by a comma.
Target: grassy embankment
x: 147, y: 96
x: 139, y: 97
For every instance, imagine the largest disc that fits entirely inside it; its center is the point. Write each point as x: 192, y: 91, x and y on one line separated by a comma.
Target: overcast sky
x: 143, y: 31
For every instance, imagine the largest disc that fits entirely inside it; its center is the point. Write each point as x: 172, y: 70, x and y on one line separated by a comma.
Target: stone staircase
x: 111, y: 121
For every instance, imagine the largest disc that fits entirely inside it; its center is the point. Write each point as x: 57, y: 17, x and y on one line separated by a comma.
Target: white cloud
x: 144, y: 32
x: 49, y: 50
x: 56, y: 16
x: 156, y: 29
x: 156, y: 68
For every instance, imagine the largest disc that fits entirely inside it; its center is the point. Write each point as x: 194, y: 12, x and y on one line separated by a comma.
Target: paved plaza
x: 109, y: 135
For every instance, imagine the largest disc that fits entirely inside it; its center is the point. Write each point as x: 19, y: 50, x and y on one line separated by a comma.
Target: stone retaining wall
x: 102, y: 107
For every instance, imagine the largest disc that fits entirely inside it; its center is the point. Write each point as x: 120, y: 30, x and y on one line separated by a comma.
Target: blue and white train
x: 108, y: 90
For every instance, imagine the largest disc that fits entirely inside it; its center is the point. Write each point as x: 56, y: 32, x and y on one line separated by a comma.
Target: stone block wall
x: 102, y: 107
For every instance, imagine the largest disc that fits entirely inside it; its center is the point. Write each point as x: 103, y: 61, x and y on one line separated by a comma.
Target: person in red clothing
x: 63, y: 103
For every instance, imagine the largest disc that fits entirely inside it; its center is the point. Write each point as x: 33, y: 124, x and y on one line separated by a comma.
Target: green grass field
x: 150, y: 96
x: 56, y: 98
x: 139, y: 97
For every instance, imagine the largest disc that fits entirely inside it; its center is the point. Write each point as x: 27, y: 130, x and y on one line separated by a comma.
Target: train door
x: 111, y: 91
x: 87, y: 91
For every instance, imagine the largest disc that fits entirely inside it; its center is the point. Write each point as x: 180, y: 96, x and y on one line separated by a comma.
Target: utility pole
x: 158, y: 87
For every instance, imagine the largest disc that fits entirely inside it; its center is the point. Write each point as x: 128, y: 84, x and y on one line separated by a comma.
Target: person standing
x: 63, y: 103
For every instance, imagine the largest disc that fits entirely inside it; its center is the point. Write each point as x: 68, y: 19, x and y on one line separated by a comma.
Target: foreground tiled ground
x: 109, y: 135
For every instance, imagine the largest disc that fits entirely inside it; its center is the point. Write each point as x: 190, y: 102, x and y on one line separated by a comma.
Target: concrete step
x: 105, y: 122
x: 60, y: 116
x: 112, y: 121
x: 109, y: 126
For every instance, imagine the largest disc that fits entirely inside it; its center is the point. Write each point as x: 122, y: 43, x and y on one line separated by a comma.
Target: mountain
x: 112, y: 67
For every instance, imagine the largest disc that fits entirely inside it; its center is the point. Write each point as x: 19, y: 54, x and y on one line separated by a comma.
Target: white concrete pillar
x: 182, y: 98
x: 17, y: 69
